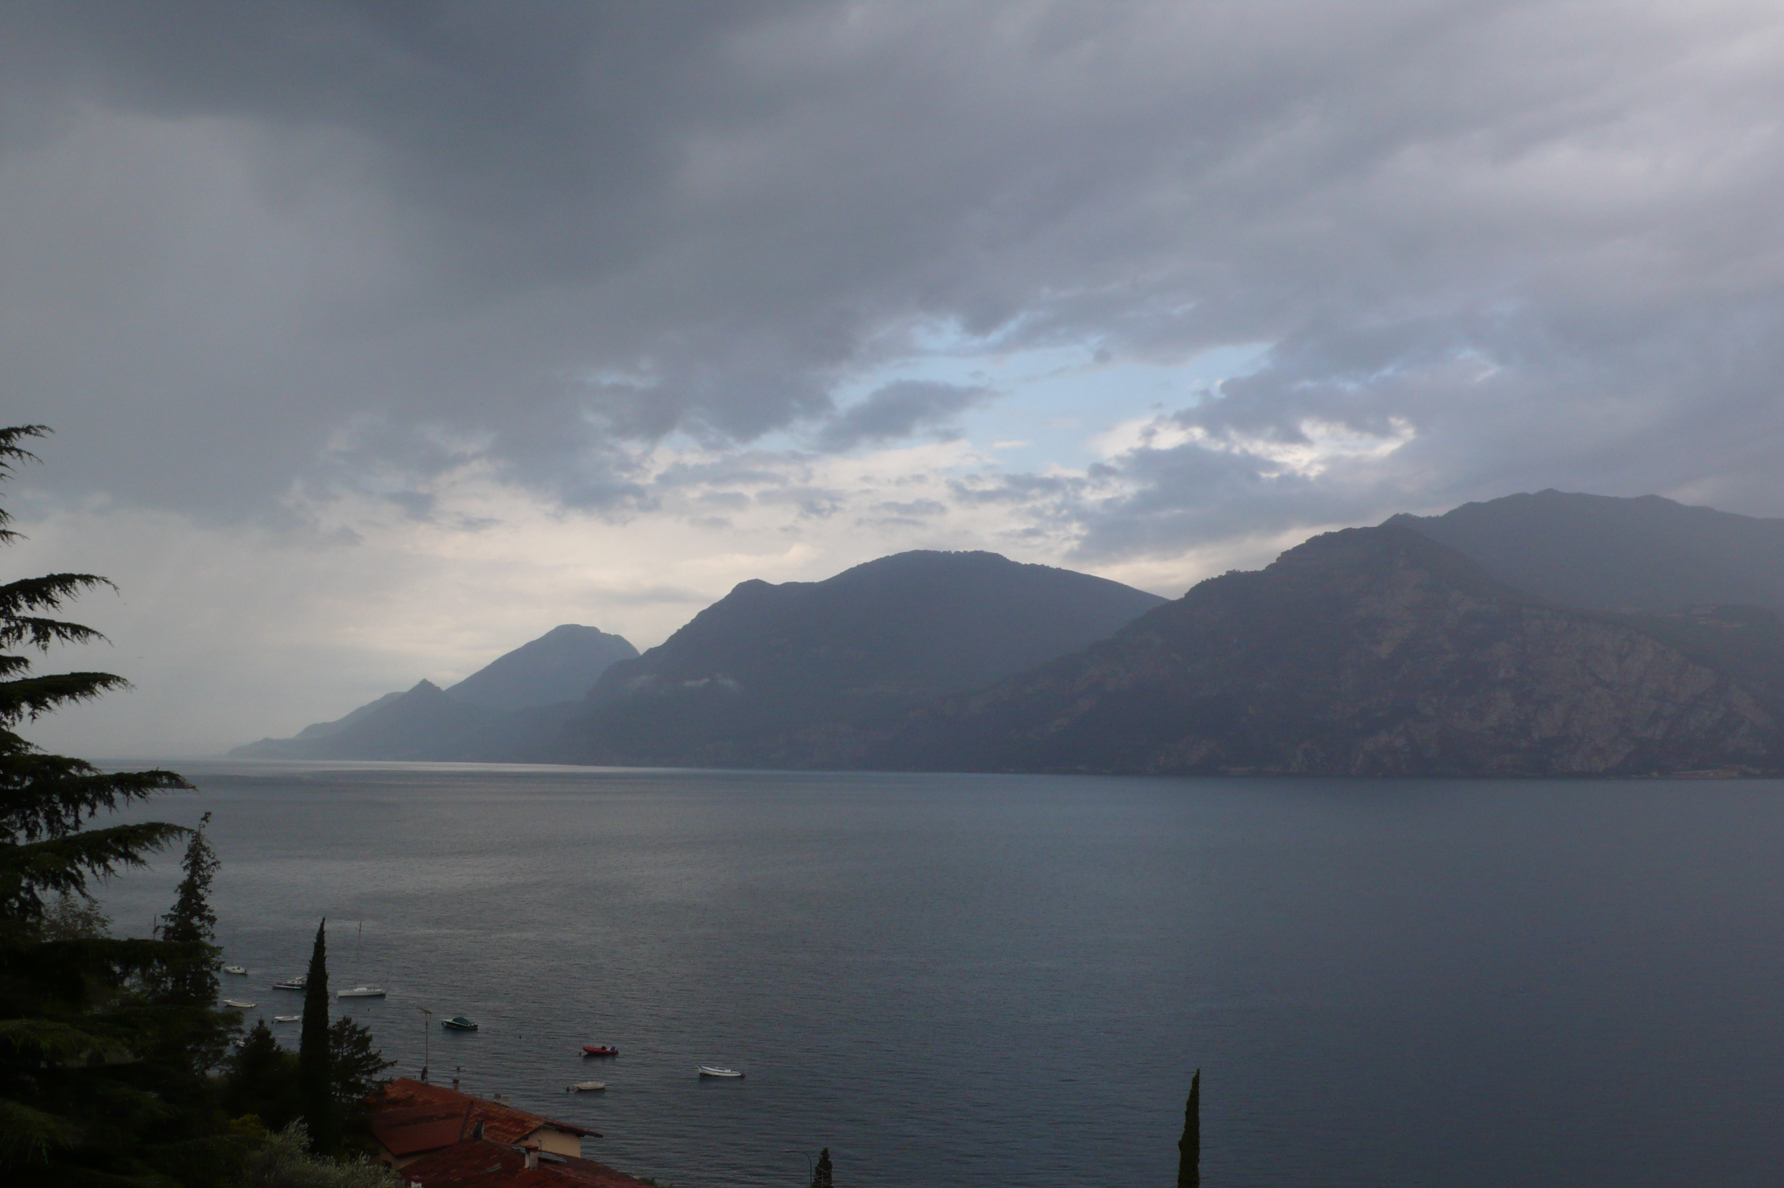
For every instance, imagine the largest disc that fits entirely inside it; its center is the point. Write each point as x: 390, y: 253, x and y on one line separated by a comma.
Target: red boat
x: 599, y: 1050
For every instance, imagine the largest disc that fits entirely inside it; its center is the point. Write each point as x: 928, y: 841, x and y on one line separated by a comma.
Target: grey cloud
x: 898, y: 410
x: 915, y: 507
x: 1545, y: 237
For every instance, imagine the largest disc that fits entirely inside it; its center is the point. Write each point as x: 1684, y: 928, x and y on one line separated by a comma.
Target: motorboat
x: 588, y: 1086
x: 238, y: 970
x: 238, y: 1004
x: 300, y: 982
x: 362, y: 992
x: 457, y: 1023
x: 710, y: 1070
x: 286, y: 1018
x: 599, y: 1050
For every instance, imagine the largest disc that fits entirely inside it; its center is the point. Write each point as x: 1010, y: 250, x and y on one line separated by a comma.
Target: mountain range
x: 1537, y: 634
x: 498, y: 709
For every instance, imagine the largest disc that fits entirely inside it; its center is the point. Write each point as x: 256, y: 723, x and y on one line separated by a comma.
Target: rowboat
x: 297, y: 983
x: 235, y: 969
x: 588, y: 1086
x: 458, y: 1023
x: 238, y: 1004
x: 599, y: 1050
x: 708, y: 1070
x: 362, y: 992
x: 286, y: 1018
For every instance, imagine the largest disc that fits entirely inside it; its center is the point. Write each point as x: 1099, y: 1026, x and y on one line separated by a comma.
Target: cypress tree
x: 315, y: 1073
x: 1189, y: 1147
x: 821, y: 1175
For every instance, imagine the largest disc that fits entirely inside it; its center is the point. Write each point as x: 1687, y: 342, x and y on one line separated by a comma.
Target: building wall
x: 558, y: 1142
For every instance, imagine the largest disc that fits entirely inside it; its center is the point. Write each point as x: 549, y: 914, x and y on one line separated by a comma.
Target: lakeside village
x: 405, y: 1131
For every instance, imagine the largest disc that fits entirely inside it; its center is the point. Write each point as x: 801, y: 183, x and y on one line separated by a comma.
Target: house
x: 412, y: 1119
x: 480, y: 1163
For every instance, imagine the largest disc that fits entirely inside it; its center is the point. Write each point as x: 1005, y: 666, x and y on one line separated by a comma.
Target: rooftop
x: 483, y: 1164
x: 412, y: 1116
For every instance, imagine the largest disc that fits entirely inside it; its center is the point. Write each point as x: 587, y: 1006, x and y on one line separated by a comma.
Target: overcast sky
x: 379, y: 338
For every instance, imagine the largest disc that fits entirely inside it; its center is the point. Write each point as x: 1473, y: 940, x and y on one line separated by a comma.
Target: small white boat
x: 286, y: 1018
x: 710, y: 1070
x: 238, y: 1004
x: 362, y: 992
x: 297, y: 983
x: 239, y: 971
x: 588, y: 1086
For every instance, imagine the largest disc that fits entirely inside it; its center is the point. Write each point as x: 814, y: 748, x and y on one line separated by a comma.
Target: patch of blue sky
x: 1050, y: 403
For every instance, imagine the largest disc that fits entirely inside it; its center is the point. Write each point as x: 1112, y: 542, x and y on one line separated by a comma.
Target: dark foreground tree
x: 822, y: 1176
x: 95, y: 1077
x: 315, y: 1076
x: 356, y: 1071
x: 262, y: 1080
x: 1189, y: 1147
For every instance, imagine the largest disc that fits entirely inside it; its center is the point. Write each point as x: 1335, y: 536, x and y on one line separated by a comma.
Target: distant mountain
x: 813, y: 673
x: 423, y: 723
x: 1643, y: 554
x: 506, y: 709
x: 561, y: 665
x: 1376, y: 651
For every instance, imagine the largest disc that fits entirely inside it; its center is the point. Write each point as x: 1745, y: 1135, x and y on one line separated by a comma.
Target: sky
x: 379, y: 338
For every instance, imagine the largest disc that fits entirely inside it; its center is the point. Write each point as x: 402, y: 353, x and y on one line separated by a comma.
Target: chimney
x: 532, y: 1150
x: 477, y: 1130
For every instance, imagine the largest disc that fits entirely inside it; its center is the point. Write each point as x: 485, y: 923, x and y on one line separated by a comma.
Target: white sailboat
x: 361, y: 991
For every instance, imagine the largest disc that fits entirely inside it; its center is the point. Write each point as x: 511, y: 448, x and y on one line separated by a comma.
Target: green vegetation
x: 107, y: 1044
x: 1189, y: 1147
x: 312, y: 1052
x: 822, y: 1175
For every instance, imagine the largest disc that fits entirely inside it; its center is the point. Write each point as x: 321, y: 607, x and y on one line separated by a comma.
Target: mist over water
x: 971, y: 980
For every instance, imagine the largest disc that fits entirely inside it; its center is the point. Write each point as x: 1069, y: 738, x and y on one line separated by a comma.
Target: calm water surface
x: 989, y: 980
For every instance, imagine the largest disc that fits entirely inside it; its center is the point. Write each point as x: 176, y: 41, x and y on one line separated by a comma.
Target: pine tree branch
x: 32, y: 697
x: 48, y: 592
x: 45, y: 795
x: 67, y: 863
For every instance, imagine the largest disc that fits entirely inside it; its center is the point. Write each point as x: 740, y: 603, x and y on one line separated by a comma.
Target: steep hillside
x: 561, y: 665
x: 421, y: 723
x: 1645, y: 554
x: 1372, y: 651
x: 506, y: 710
x: 811, y: 673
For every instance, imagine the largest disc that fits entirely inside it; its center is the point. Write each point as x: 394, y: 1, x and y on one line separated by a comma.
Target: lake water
x: 999, y: 980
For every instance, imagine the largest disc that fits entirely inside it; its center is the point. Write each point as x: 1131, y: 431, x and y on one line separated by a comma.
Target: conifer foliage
x: 1189, y: 1147
x: 315, y: 1072
x: 101, y: 1039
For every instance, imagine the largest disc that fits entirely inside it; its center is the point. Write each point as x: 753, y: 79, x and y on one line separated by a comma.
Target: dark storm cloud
x: 252, y: 245
x: 898, y: 410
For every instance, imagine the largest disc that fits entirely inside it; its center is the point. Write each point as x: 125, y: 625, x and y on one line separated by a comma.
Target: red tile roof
x: 483, y: 1164
x: 413, y: 1116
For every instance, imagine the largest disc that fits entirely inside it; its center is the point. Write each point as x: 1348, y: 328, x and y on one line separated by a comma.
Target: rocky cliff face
x: 1372, y: 651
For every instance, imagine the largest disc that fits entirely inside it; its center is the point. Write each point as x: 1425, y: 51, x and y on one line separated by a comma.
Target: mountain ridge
x: 1369, y: 651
